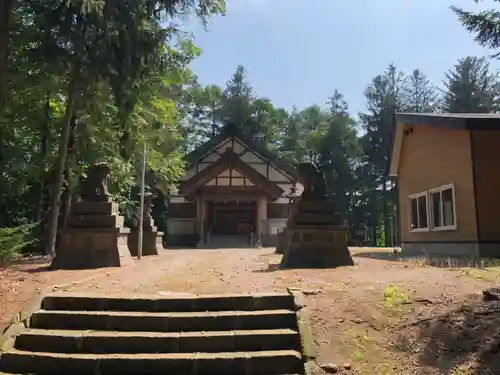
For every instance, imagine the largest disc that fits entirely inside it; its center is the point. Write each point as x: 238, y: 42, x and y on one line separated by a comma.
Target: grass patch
x: 13, y: 240
x: 485, y: 274
x: 421, y: 262
x: 368, y: 353
x: 462, y: 369
x: 395, y: 301
x: 453, y: 262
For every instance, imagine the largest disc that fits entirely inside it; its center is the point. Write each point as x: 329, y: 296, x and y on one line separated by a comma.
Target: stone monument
x: 282, y: 241
x: 315, y: 235
x: 152, y: 240
x: 284, y: 236
x: 95, y: 236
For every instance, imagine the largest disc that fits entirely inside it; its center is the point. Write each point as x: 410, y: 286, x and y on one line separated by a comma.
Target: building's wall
x: 432, y: 157
x: 181, y: 232
x: 273, y: 228
x: 230, y: 178
x: 486, y: 156
x: 277, y: 214
x: 181, y: 224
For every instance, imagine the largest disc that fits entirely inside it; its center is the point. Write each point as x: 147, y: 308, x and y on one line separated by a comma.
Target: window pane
x: 436, y: 209
x: 413, y: 214
x: 448, y: 209
x: 422, y: 212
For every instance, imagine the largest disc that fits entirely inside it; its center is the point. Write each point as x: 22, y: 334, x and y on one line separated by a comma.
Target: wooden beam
x: 230, y: 160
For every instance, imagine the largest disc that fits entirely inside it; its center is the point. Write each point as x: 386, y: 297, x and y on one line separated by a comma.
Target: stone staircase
x: 185, y: 335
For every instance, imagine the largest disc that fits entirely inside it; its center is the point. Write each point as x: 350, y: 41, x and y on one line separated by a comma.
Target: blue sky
x: 298, y: 52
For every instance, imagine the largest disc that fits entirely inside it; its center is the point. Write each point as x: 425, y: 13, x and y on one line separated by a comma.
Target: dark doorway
x: 232, y: 217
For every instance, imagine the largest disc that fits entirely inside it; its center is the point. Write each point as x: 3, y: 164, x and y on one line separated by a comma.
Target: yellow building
x: 446, y: 167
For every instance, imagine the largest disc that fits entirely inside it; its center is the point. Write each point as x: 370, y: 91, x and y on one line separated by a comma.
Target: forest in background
x: 83, y: 81
x: 351, y: 149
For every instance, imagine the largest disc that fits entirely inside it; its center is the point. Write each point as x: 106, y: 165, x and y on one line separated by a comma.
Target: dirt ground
x: 383, y: 316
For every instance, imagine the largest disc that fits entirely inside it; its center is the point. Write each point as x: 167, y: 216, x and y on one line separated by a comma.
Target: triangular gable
x: 232, y: 131
x: 225, y: 173
x: 230, y: 160
x: 230, y: 175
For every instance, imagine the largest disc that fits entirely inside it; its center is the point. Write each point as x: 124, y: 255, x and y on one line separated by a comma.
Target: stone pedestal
x: 315, y: 237
x: 95, y: 237
x: 284, y: 236
x: 152, y: 240
x: 282, y: 241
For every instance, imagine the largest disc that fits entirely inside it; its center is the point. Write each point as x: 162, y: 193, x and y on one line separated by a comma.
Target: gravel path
x: 349, y: 320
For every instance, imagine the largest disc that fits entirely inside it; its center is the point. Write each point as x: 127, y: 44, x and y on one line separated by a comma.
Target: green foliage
x: 115, y: 79
x: 13, y: 240
x: 419, y: 94
x: 354, y: 155
x: 471, y: 87
x: 92, y: 83
x: 485, y: 25
x: 394, y: 297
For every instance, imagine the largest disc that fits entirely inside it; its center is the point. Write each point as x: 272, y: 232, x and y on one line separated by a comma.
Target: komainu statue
x: 314, y: 180
x: 95, y: 186
x: 316, y: 233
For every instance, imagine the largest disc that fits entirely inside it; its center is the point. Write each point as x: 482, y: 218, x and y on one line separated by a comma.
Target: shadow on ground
x: 39, y: 269
x: 465, y: 340
x: 270, y: 268
x: 382, y: 255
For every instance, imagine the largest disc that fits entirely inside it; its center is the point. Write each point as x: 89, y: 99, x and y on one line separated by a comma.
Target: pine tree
x: 471, y: 87
x: 202, y: 109
x: 419, y: 94
x: 255, y: 116
x: 291, y: 135
x: 485, y: 24
x: 385, y: 96
x: 6, y: 9
x: 266, y: 122
x: 237, y: 100
x: 338, y: 151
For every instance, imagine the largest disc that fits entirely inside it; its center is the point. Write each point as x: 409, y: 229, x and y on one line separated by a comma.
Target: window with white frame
x: 418, y: 212
x: 443, y: 208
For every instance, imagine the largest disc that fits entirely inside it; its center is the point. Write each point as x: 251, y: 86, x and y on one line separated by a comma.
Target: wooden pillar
x: 200, y: 218
x: 203, y: 216
x: 261, y: 219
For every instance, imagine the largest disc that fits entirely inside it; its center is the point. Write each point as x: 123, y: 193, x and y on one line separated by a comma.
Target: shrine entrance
x: 232, y: 217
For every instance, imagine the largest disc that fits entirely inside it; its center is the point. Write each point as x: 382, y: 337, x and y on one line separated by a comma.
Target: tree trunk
x: 61, y: 162
x: 66, y: 203
x: 44, y: 145
x: 70, y: 158
x: 6, y: 7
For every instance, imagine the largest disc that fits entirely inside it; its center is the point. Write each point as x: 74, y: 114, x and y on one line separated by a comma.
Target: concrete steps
x: 103, y: 342
x: 92, y: 335
x: 262, y: 362
x: 163, y: 322
x: 180, y: 303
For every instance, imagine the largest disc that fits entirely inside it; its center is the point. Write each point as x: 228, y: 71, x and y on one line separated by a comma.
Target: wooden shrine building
x: 234, y: 192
